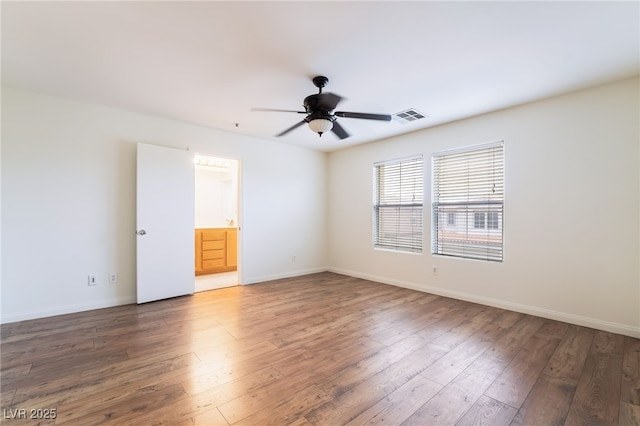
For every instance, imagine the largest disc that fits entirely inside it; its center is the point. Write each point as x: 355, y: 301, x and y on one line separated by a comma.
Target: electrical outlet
x: 434, y: 270
x: 113, y: 278
x: 91, y: 280
x: 293, y: 259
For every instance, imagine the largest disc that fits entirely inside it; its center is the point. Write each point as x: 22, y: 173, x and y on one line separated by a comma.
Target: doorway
x: 216, y: 222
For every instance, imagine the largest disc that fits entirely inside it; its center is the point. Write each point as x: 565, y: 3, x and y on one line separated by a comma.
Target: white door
x: 165, y: 223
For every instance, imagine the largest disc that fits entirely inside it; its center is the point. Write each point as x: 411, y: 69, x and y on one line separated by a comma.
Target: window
x: 397, y: 205
x: 492, y: 220
x: 469, y: 182
x: 451, y: 218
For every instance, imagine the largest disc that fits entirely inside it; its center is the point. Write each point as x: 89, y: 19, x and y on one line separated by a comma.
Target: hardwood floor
x: 323, y: 349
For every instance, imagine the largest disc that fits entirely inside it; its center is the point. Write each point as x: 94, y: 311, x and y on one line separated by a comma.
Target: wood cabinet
x: 216, y: 250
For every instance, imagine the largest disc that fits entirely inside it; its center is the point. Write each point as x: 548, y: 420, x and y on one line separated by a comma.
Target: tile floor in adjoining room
x: 215, y: 281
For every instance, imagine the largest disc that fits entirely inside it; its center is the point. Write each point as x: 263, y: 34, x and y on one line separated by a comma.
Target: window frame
x: 404, y: 202
x: 469, y: 181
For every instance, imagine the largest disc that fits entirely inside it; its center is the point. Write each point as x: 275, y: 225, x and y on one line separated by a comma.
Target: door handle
x: 141, y: 232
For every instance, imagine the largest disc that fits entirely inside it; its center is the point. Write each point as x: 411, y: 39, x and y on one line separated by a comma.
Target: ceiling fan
x: 321, y: 116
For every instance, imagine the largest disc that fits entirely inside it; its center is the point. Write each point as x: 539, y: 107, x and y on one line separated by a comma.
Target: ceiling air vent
x: 408, y: 116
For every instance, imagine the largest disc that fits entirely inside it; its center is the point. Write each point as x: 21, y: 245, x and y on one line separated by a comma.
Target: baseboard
x: 66, y: 309
x: 503, y: 304
x: 289, y: 274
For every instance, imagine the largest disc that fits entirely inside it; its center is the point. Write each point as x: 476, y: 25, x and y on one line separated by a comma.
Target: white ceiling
x: 209, y: 63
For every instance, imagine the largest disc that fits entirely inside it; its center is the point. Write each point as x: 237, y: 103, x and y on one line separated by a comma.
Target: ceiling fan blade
x: 329, y: 101
x: 363, y: 115
x: 339, y: 130
x: 277, y: 110
x: 295, y: 126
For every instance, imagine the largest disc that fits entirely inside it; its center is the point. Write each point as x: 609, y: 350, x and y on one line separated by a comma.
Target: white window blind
x: 468, y: 184
x: 397, y: 209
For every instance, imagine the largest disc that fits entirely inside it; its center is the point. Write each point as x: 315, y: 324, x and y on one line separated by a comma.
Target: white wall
x: 68, y: 202
x: 572, y: 210
x: 215, y: 194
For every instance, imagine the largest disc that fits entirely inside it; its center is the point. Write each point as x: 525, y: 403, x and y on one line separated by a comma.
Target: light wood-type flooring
x: 323, y: 349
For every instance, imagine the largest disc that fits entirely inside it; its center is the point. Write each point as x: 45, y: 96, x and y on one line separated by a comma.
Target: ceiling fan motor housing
x: 319, y: 103
x: 320, y: 115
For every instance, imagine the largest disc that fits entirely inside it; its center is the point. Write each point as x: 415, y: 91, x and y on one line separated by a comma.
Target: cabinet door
x: 232, y: 248
x: 198, y: 238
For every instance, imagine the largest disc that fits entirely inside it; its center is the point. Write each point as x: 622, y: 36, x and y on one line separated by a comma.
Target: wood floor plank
x: 568, y: 359
x: 301, y: 422
x: 399, y: 404
x: 340, y: 354
x: 22, y: 418
x: 294, y: 380
x: 115, y: 391
x: 489, y: 412
x: 116, y: 376
x: 211, y: 417
x: 436, y: 319
x: 62, y: 368
x: 630, y: 391
x: 482, y: 335
x: 225, y: 354
x: 350, y: 400
x: 288, y: 410
x: 597, y: 390
x: 111, y: 413
x: 474, y: 319
x: 321, y: 349
x: 333, y: 323
x: 629, y: 414
x: 550, y: 398
x: 516, y: 381
x: 201, y: 404
x: 249, y: 404
x: 38, y: 354
x: 459, y: 395
x: 548, y: 402
x: 513, y: 340
x: 553, y: 329
x: 358, y: 372
x: 15, y: 372
x: 597, y: 397
x: 6, y: 398
x: 48, y: 340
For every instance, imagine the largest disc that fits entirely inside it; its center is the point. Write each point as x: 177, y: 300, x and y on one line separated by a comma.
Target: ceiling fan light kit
x: 320, y: 125
x: 321, y: 117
